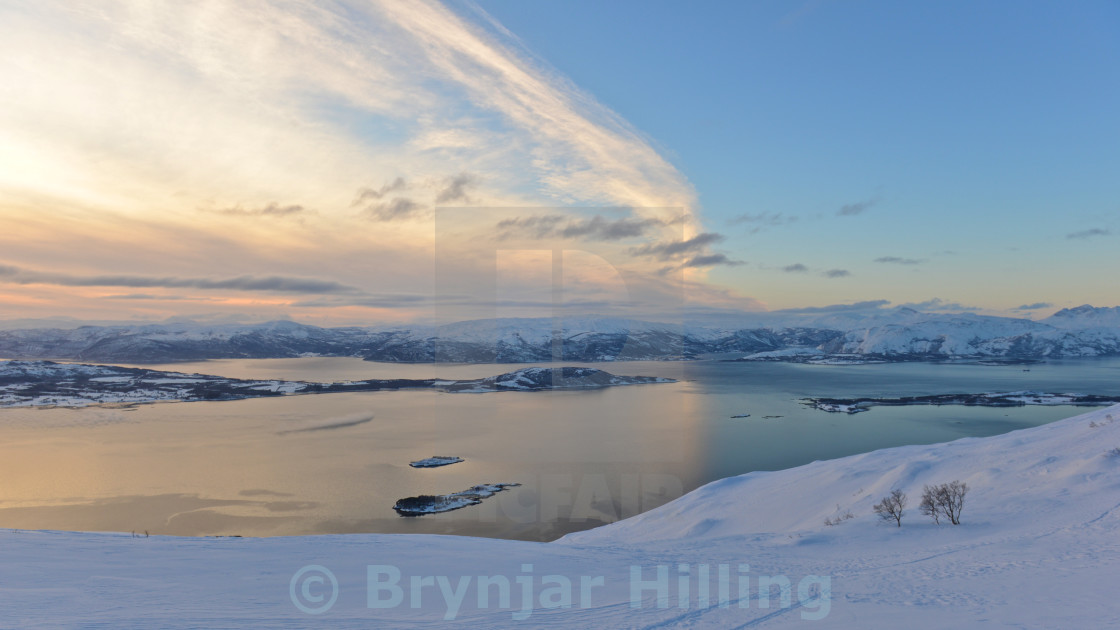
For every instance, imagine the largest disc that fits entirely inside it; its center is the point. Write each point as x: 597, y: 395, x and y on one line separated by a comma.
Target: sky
x: 371, y: 161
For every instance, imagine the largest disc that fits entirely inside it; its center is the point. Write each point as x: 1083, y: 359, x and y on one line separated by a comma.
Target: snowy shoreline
x: 50, y: 384
x: 987, y: 399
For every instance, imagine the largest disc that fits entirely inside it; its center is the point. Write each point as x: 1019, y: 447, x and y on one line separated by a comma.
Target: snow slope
x: 1038, y: 548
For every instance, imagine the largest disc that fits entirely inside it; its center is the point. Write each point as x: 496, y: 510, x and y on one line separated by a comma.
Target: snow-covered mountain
x: 1036, y: 548
x: 885, y: 334
x: 483, y: 341
x: 968, y: 335
x: 181, y: 341
x: 1085, y: 316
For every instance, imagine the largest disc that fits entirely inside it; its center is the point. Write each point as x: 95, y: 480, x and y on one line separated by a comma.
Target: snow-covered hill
x: 1037, y: 548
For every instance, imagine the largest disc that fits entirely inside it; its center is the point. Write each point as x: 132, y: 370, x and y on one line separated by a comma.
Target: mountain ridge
x: 899, y: 334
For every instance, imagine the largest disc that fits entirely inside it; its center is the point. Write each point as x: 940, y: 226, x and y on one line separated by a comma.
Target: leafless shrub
x: 944, y: 501
x: 839, y: 518
x: 892, y: 506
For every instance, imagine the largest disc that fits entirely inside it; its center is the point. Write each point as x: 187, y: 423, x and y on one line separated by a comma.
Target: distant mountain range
x: 899, y: 334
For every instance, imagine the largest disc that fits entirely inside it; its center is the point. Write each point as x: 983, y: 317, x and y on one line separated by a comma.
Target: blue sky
x: 262, y: 159
x: 985, y: 129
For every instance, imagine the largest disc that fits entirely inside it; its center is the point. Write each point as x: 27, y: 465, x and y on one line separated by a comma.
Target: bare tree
x: 891, y: 507
x: 945, y: 500
x: 954, y: 500
x: 929, y: 504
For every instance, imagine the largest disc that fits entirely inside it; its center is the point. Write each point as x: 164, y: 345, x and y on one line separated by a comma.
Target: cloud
x: 1089, y: 233
x: 271, y: 210
x: 599, y: 228
x: 795, y: 268
x: 937, y: 304
x: 596, y: 228
x: 836, y: 273
x: 895, y: 260
x: 367, y: 194
x: 853, y: 209
x: 676, y: 249
x: 263, y: 107
x: 1033, y: 307
x: 543, y: 226
x: 762, y: 220
x: 711, y: 260
x: 150, y: 296
x: 839, y: 308
x: 398, y: 208
x: 381, y: 300
x: 277, y: 284
x: 456, y: 189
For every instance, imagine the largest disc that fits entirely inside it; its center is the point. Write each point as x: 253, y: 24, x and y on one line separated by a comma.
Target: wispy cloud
x: 366, y: 194
x: 938, y: 305
x: 381, y: 301
x: 456, y: 189
x: 596, y: 228
x: 687, y: 253
x: 895, y: 260
x: 1088, y: 233
x: 840, y: 308
x: 852, y: 209
x: 271, y: 210
x: 1034, y: 306
x: 795, y: 268
x: 539, y: 226
x: 397, y: 208
x: 154, y: 297
x: 352, y: 110
x: 836, y: 273
x: 676, y: 249
x: 580, y: 146
x: 711, y: 260
x: 278, y: 284
x: 760, y: 221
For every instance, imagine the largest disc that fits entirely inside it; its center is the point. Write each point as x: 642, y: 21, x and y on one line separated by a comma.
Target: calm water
x: 280, y: 466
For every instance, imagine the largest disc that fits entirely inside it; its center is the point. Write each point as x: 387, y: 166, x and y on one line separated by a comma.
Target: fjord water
x: 336, y: 463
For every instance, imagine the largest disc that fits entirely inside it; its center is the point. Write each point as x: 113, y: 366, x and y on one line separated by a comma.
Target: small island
x: 989, y: 399
x: 435, y: 504
x: 435, y: 461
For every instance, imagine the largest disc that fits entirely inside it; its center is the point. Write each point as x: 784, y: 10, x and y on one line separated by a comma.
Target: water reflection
x: 336, y: 463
